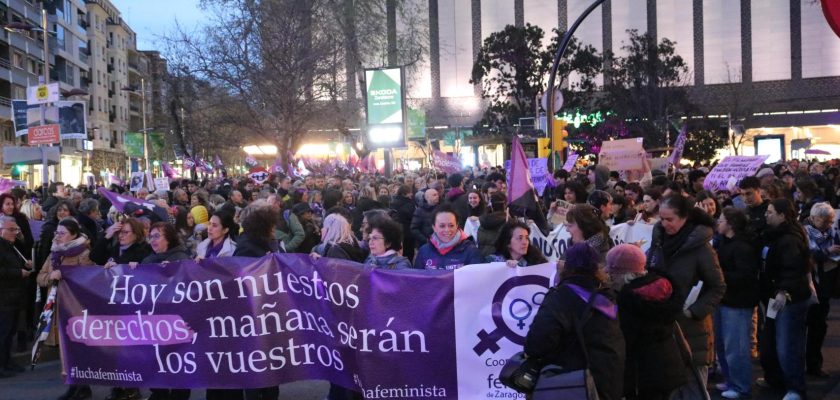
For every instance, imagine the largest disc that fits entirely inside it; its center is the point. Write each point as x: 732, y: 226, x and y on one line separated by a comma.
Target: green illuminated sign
x: 384, y: 96
x: 577, y: 119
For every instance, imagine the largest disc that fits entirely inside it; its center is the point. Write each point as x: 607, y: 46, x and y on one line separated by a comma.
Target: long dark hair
x: 532, y: 257
x: 738, y: 221
x: 482, y: 206
x: 791, y: 224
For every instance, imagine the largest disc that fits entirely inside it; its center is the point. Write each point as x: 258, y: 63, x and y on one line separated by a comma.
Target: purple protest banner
x: 446, y: 163
x: 251, y: 323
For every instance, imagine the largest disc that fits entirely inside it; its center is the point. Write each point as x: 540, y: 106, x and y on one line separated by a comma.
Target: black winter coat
x: 695, y: 260
x: 45, y: 243
x: 24, y: 246
x: 12, y: 283
x: 176, y: 253
x: 787, y: 264
x: 137, y: 252
x: 552, y: 338
x: 250, y: 246
x: 404, y: 209
x: 648, y: 310
x: 421, y: 224
x: 488, y: 231
x: 740, y: 261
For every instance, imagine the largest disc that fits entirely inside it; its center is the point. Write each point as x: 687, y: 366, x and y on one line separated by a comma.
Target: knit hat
x: 200, y: 214
x: 765, y: 172
x: 583, y: 258
x: 625, y: 258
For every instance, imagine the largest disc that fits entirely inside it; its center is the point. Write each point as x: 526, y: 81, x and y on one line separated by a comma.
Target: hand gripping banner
x: 251, y: 323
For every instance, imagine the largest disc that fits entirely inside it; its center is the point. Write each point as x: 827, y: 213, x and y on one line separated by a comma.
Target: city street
x: 44, y: 383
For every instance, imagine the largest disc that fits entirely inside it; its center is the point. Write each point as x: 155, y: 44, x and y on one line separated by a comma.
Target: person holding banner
x: 449, y: 247
x: 219, y: 242
x: 552, y: 338
x: 14, y: 272
x: 681, y: 248
x: 69, y: 247
x: 514, y: 247
x: 384, y: 239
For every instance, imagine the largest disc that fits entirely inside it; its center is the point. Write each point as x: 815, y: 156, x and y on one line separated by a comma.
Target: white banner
x: 491, y: 323
x: 555, y: 244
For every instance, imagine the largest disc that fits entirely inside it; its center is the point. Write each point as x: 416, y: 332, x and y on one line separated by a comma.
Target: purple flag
x: 679, y: 145
x: 134, y: 206
x: 189, y: 163
x: 447, y: 163
x: 218, y: 162
x: 277, y: 167
x: 167, y: 170
x: 250, y: 161
x: 522, y: 197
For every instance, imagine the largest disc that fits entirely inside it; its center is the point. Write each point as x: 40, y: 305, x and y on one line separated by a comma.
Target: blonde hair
x: 337, y: 230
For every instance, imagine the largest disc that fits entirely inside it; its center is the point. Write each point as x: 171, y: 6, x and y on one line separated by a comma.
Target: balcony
x: 5, y: 64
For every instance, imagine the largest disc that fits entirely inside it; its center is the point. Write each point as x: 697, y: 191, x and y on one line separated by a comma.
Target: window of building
x: 18, y: 92
x: 31, y: 66
x: 17, y: 60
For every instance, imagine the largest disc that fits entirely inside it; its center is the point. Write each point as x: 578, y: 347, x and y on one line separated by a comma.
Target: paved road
x: 43, y: 383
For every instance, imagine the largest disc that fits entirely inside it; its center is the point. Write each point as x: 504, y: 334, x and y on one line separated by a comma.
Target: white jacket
x: 228, y: 247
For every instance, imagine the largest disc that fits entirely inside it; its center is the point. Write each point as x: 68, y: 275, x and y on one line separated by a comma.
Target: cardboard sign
x: 570, y: 162
x: 559, y: 216
x: 660, y: 163
x: 622, y: 155
x: 162, y: 183
x: 449, y: 164
x: 539, y: 173
x: 136, y: 181
x: 150, y: 181
x: 731, y: 170
x: 44, y: 134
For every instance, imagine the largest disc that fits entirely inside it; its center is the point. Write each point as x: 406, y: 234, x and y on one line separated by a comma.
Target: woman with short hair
x: 385, y: 243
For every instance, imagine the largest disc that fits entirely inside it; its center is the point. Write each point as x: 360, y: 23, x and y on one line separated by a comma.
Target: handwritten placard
x: 570, y: 162
x: 539, y: 173
x: 622, y: 155
x: 731, y: 170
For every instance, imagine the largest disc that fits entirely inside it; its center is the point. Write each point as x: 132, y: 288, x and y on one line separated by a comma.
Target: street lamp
x: 19, y: 27
x: 143, y: 108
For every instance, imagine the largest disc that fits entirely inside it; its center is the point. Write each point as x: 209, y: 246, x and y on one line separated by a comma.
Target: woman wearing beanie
x: 200, y: 214
x: 648, y: 305
x: 552, y: 338
x: 681, y: 248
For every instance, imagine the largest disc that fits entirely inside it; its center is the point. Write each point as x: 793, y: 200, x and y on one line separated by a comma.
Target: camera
x: 520, y: 374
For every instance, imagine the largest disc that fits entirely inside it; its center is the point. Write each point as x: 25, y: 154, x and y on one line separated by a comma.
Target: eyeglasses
x: 370, y: 238
x: 155, y: 237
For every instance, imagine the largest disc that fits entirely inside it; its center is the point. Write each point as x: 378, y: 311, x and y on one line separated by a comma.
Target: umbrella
x: 817, y: 152
x: 45, y: 322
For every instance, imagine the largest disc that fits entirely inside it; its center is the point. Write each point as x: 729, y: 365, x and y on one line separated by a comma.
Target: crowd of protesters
x: 767, y: 245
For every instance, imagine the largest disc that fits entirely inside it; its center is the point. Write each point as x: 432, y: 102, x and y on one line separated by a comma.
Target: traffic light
x: 16, y: 171
x: 559, y: 135
x: 543, y: 147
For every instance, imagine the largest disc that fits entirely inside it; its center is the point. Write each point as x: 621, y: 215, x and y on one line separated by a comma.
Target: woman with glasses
x: 125, y: 243
x: 385, y: 242
x: 69, y: 247
x: 10, y: 208
x: 166, y: 247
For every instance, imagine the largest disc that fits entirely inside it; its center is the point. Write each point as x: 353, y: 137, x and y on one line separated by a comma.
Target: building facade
x: 771, y: 67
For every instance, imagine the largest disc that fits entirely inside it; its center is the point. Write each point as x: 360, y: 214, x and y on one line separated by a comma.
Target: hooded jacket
x: 432, y: 256
x: 552, y: 338
x: 488, y: 231
x: 694, y: 260
x: 647, y: 309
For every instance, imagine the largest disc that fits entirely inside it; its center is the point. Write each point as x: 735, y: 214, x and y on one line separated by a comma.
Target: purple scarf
x: 57, y: 255
x: 213, y: 250
x: 602, y: 304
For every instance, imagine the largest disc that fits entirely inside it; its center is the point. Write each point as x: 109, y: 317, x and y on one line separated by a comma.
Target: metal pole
x: 45, y: 175
x: 560, y: 51
x: 145, y: 132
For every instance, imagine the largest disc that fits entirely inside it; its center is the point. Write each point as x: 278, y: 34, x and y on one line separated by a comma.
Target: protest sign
x: 471, y: 228
x: 559, y: 215
x: 162, y: 183
x: 639, y: 232
x: 251, y: 323
x: 622, y: 154
x: 731, y: 170
x: 539, y: 173
x: 150, y: 181
x: 447, y: 163
x: 660, y: 164
x: 554, y: 245
x: 136, y: 181
x: 570, y: 162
